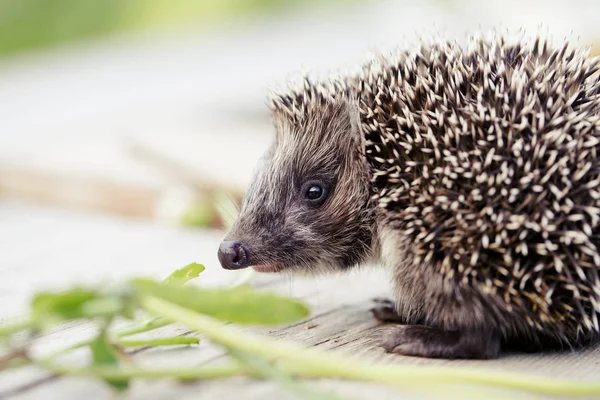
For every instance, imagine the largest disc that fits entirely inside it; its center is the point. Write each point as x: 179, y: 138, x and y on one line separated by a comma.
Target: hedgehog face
x: 307, y: 207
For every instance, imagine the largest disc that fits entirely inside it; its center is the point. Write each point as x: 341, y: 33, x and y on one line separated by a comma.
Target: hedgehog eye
x: 315, y: 193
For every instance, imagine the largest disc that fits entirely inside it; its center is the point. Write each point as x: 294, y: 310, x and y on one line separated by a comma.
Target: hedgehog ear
x: 282, y: 123
x: 351, y: 111
x: 341, y: 123
x: 334, y: 121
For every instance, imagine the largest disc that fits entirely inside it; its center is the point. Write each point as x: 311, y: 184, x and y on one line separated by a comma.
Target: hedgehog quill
x: 472, y: 173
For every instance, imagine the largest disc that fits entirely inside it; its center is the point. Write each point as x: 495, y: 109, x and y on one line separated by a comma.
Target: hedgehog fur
x: 483, y: 179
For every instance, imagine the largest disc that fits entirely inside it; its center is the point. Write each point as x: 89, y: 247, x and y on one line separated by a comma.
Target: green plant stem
x: 172, y: 341
x: 67, y: 349
x: 266, y: 370
x: 118, y: 373
x: 309, y: 362
x: 244, y: 278
x: 142, y: 327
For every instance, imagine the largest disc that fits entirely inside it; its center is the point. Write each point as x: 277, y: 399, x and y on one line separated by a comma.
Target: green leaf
x: 54, y: 307
x: 182, y: 275
x: 103, y: 307
x: 239, y: 304
x: 104, y: 354
x: 49, y: 307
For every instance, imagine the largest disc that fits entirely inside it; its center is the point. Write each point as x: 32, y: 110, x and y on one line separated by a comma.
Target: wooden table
x: 46, y: 248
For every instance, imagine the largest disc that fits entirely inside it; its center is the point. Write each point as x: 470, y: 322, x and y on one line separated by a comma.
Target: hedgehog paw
x: 385, y: 311
x: 424, y: 341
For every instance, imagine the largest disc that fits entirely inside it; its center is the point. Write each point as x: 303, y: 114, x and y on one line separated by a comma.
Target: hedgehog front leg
x: 425, y: 341
x: 385, y: 311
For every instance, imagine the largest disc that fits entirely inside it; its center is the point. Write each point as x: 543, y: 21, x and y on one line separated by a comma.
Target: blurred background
x: 117, y: 117
x: 154, y: 109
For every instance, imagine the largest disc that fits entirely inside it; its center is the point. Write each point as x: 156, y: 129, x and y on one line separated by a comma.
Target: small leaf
x: 49, y: 307
x: 239, y: 304
x: 185, y: 274
x: 104, y: 354
x: 103, y: 307
x: 79, y: 302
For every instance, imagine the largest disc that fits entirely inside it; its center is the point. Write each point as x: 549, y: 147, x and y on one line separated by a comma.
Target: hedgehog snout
x: 233, y: 255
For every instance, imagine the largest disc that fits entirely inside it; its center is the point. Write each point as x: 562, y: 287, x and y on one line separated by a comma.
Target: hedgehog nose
x: 233, y: 255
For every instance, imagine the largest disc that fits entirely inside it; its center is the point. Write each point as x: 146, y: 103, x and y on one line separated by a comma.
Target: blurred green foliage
x: 201, y: 213
x: 29, y: 24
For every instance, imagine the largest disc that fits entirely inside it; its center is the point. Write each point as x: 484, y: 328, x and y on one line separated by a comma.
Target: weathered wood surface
x: 43, y: 248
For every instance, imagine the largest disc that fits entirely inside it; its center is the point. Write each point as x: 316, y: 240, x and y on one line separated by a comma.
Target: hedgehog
x: 470, y: 172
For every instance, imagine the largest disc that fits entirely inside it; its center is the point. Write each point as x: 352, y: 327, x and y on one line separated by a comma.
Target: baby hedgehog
x: 472, y: 173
